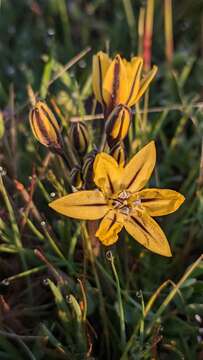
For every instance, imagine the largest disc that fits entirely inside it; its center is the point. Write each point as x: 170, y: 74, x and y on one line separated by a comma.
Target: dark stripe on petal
x: 133, y: 84
x: 112, y: 223
x: 133, y: 179
x: 83, y: 131
x: 141, y: 225
x: 152, y: 199
x: 42, y: 128
x: 110, y: 183
x: 81, y: 205
x: 116, y: 82
x: 51, y: 121
x: 121, y: 126
x: 100, y: 80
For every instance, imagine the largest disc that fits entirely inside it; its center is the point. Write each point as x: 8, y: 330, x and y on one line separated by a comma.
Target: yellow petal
x: 101, y: 63
x: 107, y: 173
x: 148, y: 233
x: 118, y: 122
x: 115, y: 88
x: 109, y: 228
x: 85, y: 205
x: 160, y: 202
x: 134, y: 75
x: 138, y: 171
x: 145, y: 83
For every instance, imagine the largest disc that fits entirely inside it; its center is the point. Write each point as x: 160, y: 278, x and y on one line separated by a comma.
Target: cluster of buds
x: 118, y: 85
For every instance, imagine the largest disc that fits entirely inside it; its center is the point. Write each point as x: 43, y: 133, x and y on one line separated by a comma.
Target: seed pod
x: 45, y: 126
x: 117, y: 124
x: 118, y: 152
x: 87, y: 169
x: 76, y: 177
x: 79, y: 136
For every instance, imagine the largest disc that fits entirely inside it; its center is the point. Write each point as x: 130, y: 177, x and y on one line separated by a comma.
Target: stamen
x: 124, y: 195
x: 125, y: 210
x: 137, y: 202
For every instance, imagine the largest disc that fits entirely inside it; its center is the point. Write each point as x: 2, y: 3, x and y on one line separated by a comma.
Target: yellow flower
x: 122, y: 203
x: 118, y: 81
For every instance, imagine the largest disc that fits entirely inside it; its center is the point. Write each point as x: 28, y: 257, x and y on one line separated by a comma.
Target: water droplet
x: 10, y: 70
x: 199, y: 339
x: 82, y: 64
x: 51, y: 32
x: 139, y: 293
x: 5, y: 282
x: 198, y: 318
x: 109, y: 255
x: 46, y: 282
x: 53, y: 194
x: 43, y: 223
x: 69, y: 299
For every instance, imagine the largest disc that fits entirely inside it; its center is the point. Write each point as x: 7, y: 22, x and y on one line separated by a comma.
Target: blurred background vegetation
x: 43, y: 312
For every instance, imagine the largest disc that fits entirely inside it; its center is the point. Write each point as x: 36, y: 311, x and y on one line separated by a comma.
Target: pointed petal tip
x: 52, y: 204
x: 167, y: 253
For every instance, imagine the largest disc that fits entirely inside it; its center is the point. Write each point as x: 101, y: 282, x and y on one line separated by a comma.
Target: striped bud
x: 79, y: 136
x: 76, y: 177
x: 117, y: 124
x: 118, y: 152
x: 45, y: 126
x: 87, y: 169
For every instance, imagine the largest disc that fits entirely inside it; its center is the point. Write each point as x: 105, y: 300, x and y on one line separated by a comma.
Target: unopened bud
x: 79, y: 137
x: 118, y: 152
x: 45, y: 126
x: 87, y: 169
x: 76, y: 177
x: 117, y: 124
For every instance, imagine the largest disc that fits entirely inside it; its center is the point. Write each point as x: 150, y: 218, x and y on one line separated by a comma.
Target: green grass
x: 62, y: 297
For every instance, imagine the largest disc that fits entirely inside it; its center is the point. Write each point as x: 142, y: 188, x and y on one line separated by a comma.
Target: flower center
x: 123, y: 202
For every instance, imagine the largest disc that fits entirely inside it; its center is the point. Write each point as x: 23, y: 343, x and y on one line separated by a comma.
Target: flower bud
x: 118, y: 152
x: 87, y: 169
x: 76, y: 177
x: 117, y: 124
x: 45, y: 126
x: 79, y: 136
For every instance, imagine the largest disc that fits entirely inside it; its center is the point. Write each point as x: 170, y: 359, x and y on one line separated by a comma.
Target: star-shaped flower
x: 118, y: 81
x: 121, y: 202
x: 118, y: 85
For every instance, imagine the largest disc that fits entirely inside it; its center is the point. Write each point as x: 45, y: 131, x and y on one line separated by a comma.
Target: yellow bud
x: 79, y: 136
x: 118, y: 152
x: 45, y: 126
x: 76, y: 177
x: 117, y: 124
x: 87, y: 169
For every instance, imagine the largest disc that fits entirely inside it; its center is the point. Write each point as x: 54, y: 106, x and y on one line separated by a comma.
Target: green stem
x: 120, y: 303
